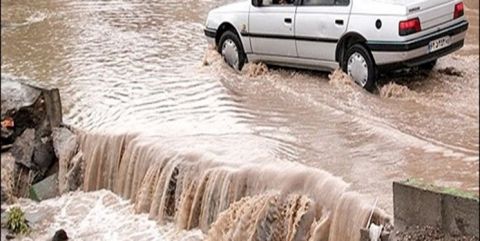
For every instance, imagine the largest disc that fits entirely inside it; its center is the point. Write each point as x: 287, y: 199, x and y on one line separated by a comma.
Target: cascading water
x: 226, y: 200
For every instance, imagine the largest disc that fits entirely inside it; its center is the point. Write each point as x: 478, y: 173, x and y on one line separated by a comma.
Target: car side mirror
x: 257, y: 3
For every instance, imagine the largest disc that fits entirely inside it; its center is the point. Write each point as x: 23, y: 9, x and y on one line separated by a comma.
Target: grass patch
x: 446, y: 190
x: 16, y: 221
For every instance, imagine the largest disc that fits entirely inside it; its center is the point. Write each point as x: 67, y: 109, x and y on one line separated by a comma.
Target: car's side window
x: 266, y: 3
x: 326, y: 2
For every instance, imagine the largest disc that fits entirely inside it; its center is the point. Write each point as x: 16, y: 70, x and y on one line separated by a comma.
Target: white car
x: 360, y: 36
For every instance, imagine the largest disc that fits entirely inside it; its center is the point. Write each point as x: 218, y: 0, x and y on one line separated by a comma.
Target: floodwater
x: 96, y: 216
x: 145, y: 67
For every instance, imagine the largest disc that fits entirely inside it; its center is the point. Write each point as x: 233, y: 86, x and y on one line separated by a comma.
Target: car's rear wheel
x: 359, y: 64
x: 231, y: 50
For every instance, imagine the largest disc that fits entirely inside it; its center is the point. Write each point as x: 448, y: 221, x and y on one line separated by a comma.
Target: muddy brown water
x: 137, y: 66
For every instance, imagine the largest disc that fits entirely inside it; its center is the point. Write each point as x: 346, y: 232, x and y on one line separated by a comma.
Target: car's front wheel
x: 359, y: 64
x: 231, y: 50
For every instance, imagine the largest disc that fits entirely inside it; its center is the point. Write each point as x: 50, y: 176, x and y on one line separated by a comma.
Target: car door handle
x: 339, y: 21
x: 288, y: 20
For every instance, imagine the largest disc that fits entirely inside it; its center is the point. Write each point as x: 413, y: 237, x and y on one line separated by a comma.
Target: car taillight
x: 409, y: 26
x: 458, y: 10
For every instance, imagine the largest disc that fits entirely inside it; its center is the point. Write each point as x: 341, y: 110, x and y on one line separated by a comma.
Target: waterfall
x: 268, y: 200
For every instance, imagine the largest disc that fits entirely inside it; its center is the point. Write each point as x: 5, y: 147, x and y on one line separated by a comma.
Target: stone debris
x: 60, y: 235
x: 28, y: 115
x: 45, y: 189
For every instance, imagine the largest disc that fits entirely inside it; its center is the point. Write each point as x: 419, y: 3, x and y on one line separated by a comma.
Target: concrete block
x: 414, y: 206
x: 453, y: 212
x: 460, y: 215
x: 46, y: 189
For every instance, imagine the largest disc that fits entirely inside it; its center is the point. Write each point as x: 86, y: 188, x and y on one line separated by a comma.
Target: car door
x: 319, y: 25
x: 271, y: 29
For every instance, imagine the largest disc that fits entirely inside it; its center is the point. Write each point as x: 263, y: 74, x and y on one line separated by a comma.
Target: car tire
x: 231, y: 49
x: 359, y: 64
x: 428, y: 65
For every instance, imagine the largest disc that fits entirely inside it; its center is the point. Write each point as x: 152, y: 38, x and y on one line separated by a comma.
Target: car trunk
x: 431, y: 13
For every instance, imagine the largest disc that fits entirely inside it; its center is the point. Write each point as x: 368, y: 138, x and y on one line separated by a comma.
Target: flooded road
x: 138, y: 66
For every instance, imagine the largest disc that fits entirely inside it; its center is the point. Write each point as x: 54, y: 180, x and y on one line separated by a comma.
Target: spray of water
x: 393, y: 90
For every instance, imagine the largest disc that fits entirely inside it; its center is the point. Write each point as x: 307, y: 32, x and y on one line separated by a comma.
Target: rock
x: 6, y: 135
x: 15, y: 95
x: 60, y: 235
x: 65, y: 145
x: 23, y: 147
x: 64, y: 142
x: 45, y: 189
x: 43, y: 155
x: 9, y: 236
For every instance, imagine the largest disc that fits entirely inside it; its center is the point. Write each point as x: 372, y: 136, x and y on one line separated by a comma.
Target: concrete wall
x: 416, y: 205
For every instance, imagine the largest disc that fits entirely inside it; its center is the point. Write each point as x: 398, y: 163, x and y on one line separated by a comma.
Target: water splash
x: 340, y: 79
x: 253, y: 70
x: 96, y: 216
x: 393, y: 90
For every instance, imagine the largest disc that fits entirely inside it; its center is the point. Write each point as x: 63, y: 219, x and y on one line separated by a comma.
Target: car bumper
x: 416, y: 52
x: 210, y: 34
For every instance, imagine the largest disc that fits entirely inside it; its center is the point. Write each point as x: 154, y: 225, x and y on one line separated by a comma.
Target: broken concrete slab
x: 453, y: 212
x: 46, y: 189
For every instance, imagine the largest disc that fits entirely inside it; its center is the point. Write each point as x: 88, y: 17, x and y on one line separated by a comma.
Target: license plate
x: 438, y: 44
